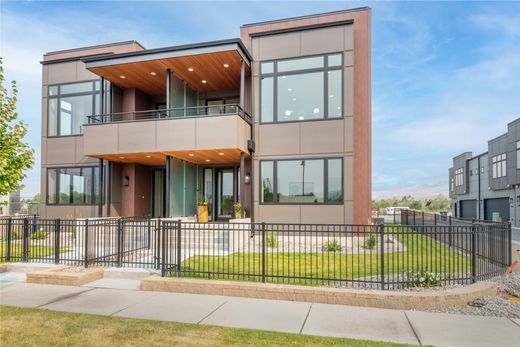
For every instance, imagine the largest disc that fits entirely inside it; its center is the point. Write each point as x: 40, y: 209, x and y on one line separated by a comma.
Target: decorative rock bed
x: 65, y: 275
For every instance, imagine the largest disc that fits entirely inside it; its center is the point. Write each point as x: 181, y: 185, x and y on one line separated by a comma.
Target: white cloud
x: 509, y: 24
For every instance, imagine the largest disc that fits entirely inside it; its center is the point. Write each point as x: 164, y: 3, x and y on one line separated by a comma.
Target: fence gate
x: 170, y: 252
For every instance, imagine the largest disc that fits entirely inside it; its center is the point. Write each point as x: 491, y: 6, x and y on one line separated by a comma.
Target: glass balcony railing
x: 172, y: 113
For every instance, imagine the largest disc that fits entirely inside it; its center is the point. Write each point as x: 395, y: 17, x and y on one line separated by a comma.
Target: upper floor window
x: 518, y: 154
x: 69, y: 106
x: 301, y: 89
x: 498, y: 165
x: 459, y: 177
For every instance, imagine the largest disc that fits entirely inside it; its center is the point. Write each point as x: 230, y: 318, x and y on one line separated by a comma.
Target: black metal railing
x: 172, y: 113
x: 390, y: 256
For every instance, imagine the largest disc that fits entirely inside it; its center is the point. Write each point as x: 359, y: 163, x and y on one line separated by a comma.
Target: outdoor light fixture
x: 122, y: 76
x: 153, y: 73
x: 191, y: 154
x: 207, y: 160
x: 148, y: 156
x: 203, y: 81
x: 247, y: 179
x: 126, y: 181
x: 190, y: 69
x: 226, y: 65
x: 221, y: 153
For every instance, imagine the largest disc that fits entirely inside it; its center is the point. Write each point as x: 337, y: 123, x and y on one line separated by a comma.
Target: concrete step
x: 127, y: 273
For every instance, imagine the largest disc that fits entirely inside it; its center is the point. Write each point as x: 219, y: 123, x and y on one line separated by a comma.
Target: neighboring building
x: 4, y: 205
x: 278, y: 120
x: 487, y: 186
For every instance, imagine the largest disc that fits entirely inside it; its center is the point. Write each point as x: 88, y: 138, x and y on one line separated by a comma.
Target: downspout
x: 479, y: 193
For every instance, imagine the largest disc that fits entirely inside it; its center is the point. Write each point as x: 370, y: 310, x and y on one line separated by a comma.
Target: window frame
x: 459, y: 177
x: 57, y: 186
x: 326, y: 68
x: 499, y: 165
x: 325, y: 182
x: 58, y: 96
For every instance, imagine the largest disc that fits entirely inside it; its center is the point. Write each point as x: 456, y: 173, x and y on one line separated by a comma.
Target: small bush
x: 39, y: 235
x: 370, y: 242
x: 272, y: 240
x: 423, y: 278
x: 16, y: 235
x: 332, y: 246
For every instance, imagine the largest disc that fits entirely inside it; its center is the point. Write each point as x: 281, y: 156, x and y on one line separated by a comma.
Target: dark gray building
x: 487, y: 186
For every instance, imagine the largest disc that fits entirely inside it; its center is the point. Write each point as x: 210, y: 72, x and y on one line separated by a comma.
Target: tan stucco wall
x: 348, y: 137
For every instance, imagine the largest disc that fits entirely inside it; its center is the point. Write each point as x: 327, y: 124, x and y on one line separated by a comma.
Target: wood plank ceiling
x: 200, y: 157
x: 150, y: 76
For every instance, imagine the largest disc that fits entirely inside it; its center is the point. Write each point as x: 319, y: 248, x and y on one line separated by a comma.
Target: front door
x: 226, y: 193
x: 158, y: 193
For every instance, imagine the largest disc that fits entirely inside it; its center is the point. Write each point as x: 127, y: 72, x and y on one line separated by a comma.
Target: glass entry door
x: 225, y: 193
x: 158, y: 193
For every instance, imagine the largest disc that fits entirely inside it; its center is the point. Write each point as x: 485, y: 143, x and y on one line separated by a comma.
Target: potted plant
x: 202, y: 211
x: 238, y: 210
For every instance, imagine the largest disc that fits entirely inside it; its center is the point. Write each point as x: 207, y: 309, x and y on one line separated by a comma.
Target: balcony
x: 200, y: 135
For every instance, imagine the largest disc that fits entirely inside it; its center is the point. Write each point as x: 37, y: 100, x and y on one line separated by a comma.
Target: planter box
x: 202, y: 214
x: 66, y: 276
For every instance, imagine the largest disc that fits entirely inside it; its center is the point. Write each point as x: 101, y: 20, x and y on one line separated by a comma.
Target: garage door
x: 468, y: 209
x: 500, y: 206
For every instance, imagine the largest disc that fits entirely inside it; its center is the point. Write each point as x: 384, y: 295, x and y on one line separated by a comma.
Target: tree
x: 15, y: 155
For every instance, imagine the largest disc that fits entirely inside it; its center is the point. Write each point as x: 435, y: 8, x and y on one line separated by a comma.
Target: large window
x: 69, y: 106
x: 310, y: 181
x: 459, y: 177
x: 498, y: 165
x: 73, y: 186
x: 301, y: 89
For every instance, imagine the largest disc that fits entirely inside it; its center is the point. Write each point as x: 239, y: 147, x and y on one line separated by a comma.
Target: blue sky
x: 445, y: 76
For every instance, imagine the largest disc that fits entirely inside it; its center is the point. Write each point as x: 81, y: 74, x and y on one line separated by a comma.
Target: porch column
x: 108, y: 185
x: 241, y: 183
x: 100, y: 205
x: 242, y: 84
x: 167, y: 188
x: 102, y: 97
x: 168, y: 91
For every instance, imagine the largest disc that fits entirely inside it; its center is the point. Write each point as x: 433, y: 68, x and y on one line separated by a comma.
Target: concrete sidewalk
x: 411, y: 327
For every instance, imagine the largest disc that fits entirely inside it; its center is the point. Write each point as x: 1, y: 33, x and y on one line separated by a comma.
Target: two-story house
x: 278, y: 120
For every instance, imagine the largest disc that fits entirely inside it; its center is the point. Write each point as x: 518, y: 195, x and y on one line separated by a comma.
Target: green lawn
x: 36, y: 327
x: 421, y: 253
x: 35, y: 251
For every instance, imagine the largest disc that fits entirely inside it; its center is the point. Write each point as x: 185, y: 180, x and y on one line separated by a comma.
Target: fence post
x: 120, y: 229
x: 179, y: 246
x: 57, y: 232
x: 9, y: 238
x: 162, y: 231
x: 86, y: 243
x: 25, y: 250
x: 423, y: 218
x: 394, y: 215
x: 473, y: 252
x: 263, y: 252
x: 149, y: 233
x: 382, y: 253
x: 413, y: 218
x: 509, y: 244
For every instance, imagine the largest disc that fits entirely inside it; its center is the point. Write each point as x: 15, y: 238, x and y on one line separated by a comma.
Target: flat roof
x: 158, y: 53
x: 365, y: 8
x: 120, y: 43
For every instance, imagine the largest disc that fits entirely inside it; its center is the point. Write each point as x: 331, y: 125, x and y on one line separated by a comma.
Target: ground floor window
x: 73, y: 186
x: 307, y: 181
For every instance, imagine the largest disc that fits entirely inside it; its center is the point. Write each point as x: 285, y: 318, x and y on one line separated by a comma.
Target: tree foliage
x: 439, y: 203
x: 15, y: 155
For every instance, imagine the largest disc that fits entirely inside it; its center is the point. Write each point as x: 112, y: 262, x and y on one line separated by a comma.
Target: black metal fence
x: 351, y: 256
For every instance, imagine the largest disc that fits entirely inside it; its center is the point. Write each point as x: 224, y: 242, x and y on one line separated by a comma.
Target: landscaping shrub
x: 272, y: 240
x: 423, y: 278
x: 16, y: 235
x: 332, y: 246
x: 39, y: 235
x: 370, y: 242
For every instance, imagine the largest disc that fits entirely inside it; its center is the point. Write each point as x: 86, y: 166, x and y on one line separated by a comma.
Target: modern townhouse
x: 487, y: 186
x: 278, y: 120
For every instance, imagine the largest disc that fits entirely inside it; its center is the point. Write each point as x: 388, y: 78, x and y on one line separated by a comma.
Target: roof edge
x: 120, y: 43
x: 357, y: 9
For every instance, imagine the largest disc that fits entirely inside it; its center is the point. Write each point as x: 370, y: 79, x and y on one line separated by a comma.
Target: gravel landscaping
x: 495, y: 306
